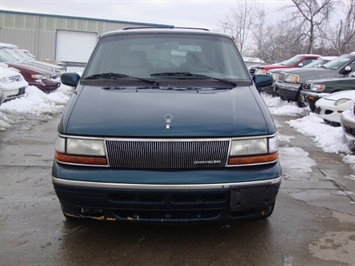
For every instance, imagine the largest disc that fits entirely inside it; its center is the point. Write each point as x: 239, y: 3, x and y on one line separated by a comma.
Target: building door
x: 75, y: 46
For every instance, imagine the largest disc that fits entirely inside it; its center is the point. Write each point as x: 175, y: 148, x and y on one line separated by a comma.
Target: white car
x: 347, y: 121
x: 331, y: 107
x: 12, y: 83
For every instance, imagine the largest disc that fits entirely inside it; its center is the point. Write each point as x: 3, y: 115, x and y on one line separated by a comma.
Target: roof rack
x: 165, y: 27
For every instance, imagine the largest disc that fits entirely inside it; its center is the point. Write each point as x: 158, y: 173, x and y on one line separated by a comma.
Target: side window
x: 352, y: 65
x: 308, y: 61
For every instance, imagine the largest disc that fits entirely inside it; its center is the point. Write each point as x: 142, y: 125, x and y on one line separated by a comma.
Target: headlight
x: 85, y: 147
x: 253, y: 151
x: 39, y: 76
x: 275, y: 76
x: 80, y: 151
x: 260, y: 71
x: 292, y: 78
x: 341, y: 101
x: 248, y: 147
x: 317, y: 87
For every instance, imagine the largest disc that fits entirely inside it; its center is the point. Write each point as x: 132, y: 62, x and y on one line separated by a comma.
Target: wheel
x: 352, y: 146
x: 299, y: 101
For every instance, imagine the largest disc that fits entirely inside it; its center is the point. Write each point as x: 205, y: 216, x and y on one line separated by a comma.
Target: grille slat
x: 167, y: 154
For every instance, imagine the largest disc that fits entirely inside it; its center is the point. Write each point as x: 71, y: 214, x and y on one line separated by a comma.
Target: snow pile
x: 34, y: 103
x: 330, y: 139
x: 280, y: 107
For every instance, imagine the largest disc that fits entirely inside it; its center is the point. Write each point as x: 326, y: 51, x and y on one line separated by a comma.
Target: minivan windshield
x: 168, y: 55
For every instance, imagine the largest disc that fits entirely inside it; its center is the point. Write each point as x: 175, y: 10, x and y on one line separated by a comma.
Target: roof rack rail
x: 149, y: 27
x: 192, y: 28
x: 165, y: 27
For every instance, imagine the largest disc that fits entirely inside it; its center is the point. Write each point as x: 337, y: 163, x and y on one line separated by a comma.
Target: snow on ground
x: 35, y: 103
x: 329, y: 139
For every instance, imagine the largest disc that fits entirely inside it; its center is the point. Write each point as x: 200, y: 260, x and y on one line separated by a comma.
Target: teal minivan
x: 166, y: 126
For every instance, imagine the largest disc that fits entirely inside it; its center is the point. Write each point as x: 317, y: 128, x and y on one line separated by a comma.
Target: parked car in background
x: 46, y: 81
x: 279, y: 74
x: 313, y: 90
x: 12, y: 83
x: 62, y: 66
x: 347, y: 121
x: 290, y: 88
x: 252, y: 62
x: 188, y: 141
x: 20, y: 56
x: 330, y: 107
x: 299, y: 60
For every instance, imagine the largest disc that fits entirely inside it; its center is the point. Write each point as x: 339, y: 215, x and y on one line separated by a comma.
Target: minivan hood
x: 131, y: 112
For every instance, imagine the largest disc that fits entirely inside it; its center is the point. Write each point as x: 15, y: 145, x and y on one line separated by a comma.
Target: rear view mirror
x: 263, y: 80
x: 70, y: 79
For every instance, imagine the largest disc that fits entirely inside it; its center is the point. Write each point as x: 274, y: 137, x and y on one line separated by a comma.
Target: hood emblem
x: 168, y: 119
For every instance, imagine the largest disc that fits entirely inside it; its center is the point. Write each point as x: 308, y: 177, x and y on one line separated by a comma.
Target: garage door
x: 73, y: 46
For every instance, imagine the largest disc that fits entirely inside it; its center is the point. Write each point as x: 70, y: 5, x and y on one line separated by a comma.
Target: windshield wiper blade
x: 111, y: 75
x: 192, y: 75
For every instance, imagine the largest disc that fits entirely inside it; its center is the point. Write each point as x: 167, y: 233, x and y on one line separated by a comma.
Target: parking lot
x: 313, y: 223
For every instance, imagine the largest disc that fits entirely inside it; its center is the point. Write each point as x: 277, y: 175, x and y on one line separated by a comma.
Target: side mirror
x: 70, y: 79
x: 347, y: 70
x: 300, y: 65
x: 261, y: 81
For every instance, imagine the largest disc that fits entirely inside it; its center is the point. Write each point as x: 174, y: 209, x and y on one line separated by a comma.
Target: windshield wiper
x: 192, y: 75
x: 116, y: 76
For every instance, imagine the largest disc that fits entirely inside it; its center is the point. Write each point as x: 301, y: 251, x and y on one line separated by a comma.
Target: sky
x: 183, y: 13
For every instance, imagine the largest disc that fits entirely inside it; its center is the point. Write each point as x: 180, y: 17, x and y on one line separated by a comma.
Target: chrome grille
x: 307, y: 86
x: 163, y: 154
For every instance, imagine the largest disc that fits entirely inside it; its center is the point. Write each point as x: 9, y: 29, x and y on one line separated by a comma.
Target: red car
x: 299, y: 60
x: 35, y: 76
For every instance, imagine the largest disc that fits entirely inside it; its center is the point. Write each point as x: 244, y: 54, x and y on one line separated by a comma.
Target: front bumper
x: 272, y: 90
x: 167, y: 196
x: 9, y: 94
x: 348, y: 125
x: 288, y: 91
x: 309, y: 98
x: 45, y: 85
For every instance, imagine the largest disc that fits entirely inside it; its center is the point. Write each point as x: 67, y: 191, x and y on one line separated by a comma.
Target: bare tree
x: 239, y: 22
x: 275, y: 43
x: 311, y: 16
x: 344, y: 41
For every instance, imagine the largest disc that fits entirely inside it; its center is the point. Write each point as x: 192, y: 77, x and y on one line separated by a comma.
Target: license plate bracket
x: 248, y: 197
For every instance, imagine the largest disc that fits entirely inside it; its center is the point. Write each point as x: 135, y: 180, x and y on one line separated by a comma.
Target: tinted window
x: 146, y: 54
x: 338, y: 62
x: 292, y: 61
